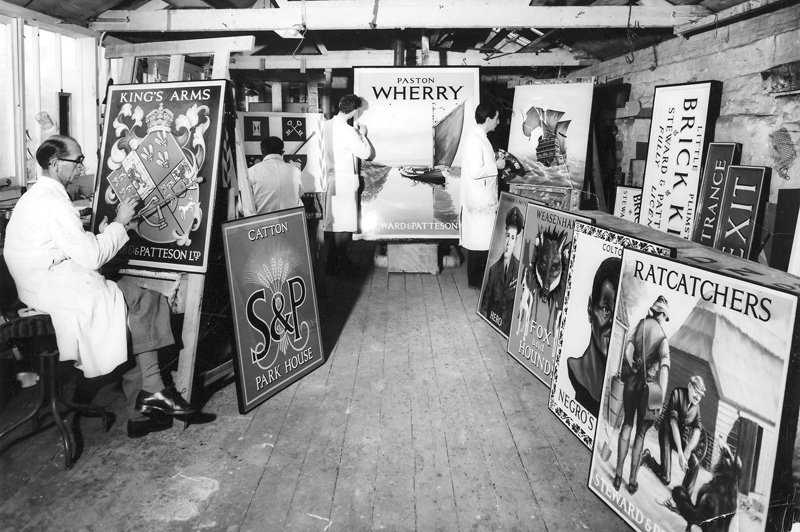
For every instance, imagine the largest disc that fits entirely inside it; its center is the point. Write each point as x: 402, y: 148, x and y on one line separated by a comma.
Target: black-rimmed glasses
x: 79, y: 160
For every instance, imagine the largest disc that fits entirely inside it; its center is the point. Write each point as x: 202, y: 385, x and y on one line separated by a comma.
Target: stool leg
x: 33, y: 414
x: 49, y: 366
x: 89, y: 408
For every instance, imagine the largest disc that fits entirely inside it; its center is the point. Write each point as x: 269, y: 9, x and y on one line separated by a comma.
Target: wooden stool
x: 35, y: 336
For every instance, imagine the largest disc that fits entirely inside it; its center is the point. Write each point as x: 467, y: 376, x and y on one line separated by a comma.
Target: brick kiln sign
x: 682, y: 125
x: 274, y: 304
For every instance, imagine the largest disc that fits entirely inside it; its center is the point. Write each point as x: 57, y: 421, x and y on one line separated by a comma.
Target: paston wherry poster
x: 694, y: 390
x: 580, y: 360
x: 416, y: 120
x: 541, y: 281
x: 550, y: 132
x: 161, y: 146
x: 274, y: 304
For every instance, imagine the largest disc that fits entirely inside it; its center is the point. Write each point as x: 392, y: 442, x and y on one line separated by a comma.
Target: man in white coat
x: 479, y: 192
x: 275, y: 184
x: 55, y: 265
x: 344, y: 146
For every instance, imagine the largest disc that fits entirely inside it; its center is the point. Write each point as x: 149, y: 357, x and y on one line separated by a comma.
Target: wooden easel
x: 185, y: 290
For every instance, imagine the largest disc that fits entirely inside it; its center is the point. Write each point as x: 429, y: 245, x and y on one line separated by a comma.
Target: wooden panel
x: 413, y: 257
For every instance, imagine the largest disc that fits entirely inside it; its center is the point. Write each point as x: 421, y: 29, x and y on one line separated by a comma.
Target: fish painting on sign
x: 691, y: 416
x: 539, y: 297
x: 591, y: 294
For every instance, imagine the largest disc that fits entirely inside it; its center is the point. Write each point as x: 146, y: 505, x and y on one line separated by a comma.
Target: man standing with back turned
x: 344, y: 146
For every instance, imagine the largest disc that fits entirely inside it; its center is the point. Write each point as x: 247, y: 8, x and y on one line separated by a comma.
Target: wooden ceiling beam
x: 187, y: 47
x: 726, y: 16
x: 370, y: 58
x: 349, y: 15
x: 35, y: 18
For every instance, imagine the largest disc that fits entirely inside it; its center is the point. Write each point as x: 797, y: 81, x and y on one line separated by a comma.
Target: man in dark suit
x: 497, y: 302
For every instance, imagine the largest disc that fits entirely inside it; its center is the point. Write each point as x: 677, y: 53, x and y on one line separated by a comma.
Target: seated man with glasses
x: 55, y: 264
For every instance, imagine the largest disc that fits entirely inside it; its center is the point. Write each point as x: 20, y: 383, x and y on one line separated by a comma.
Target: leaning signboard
x: 692, y: 419
x: 681, y: 127
x: 539, y: 296
x: 500, y: 278
x: 580, y: 359
x: 164, y: 145
x: 274, y: 304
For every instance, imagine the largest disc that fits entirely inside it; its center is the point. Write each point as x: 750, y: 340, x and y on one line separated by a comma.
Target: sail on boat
x: 446, y: 139
x: 549, y: 132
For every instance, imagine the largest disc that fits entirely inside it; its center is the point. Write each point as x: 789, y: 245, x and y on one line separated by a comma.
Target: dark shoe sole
x: 146, y: 409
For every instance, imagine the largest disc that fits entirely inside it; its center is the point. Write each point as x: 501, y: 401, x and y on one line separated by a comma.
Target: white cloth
x: 275, y: 184
x: 478, y: 191
x: 54, y: 263
x: 344, y: 145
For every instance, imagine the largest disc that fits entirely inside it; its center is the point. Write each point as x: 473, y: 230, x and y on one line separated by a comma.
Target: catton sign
x: 275, y: 315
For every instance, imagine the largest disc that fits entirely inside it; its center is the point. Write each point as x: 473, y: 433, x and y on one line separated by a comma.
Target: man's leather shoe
x: 168, y: 401
x: 145, y: 425
x: 617, y: 482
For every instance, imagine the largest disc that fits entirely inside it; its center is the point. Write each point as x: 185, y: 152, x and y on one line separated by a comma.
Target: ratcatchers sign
x: 274, y: 304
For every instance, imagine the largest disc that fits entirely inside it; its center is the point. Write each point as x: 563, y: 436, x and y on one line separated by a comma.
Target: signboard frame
x: 681, y: 127
x: 270, y: 253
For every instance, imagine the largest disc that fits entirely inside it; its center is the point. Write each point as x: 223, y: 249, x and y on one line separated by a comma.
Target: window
x: 54, y: 80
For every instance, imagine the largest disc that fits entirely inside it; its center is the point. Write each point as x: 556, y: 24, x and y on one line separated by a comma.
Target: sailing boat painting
x: 446, y: 139
x: 416, y: 120
x: 550, y: 132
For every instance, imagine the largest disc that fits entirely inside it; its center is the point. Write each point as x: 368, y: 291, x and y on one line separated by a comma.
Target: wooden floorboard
x: 417, y: 421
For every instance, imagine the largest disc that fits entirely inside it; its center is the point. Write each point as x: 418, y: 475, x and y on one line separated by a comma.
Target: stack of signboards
x: 629, y: 327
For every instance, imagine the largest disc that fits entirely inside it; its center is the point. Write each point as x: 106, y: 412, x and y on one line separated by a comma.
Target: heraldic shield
x: 159, y: 174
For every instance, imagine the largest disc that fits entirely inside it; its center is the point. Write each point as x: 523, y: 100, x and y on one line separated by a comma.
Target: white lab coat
x: 275, y: 184
x: 478, y: 191
x: 343, y: 147
x: 55, y: 262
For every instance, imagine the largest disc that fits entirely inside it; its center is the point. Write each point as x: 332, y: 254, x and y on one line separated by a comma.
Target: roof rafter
x: 348, y: 15
x: 337, y: 59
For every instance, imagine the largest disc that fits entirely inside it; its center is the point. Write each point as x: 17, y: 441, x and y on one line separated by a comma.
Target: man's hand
x: 362, y: 129
x: 500, y: 163
x: 126, y: 211
x: 683, y: 462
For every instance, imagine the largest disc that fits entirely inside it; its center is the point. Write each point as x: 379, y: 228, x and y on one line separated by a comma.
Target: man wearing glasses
x: 55, y: 264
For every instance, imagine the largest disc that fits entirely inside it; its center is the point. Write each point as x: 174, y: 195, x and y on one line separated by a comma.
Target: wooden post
x: 191, y: 284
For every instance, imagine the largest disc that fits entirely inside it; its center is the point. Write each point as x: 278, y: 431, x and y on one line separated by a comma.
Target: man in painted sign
x: 497, y: 303
x: 645, y: 374
x: 679, y: 430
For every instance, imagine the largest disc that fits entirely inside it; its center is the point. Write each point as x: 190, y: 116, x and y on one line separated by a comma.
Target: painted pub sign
x: 274, y: 304
x: 692, y: 421
x: 681, y: 127
x: 541, y: 282
x: 591, y: 292
x: 161, y: 146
